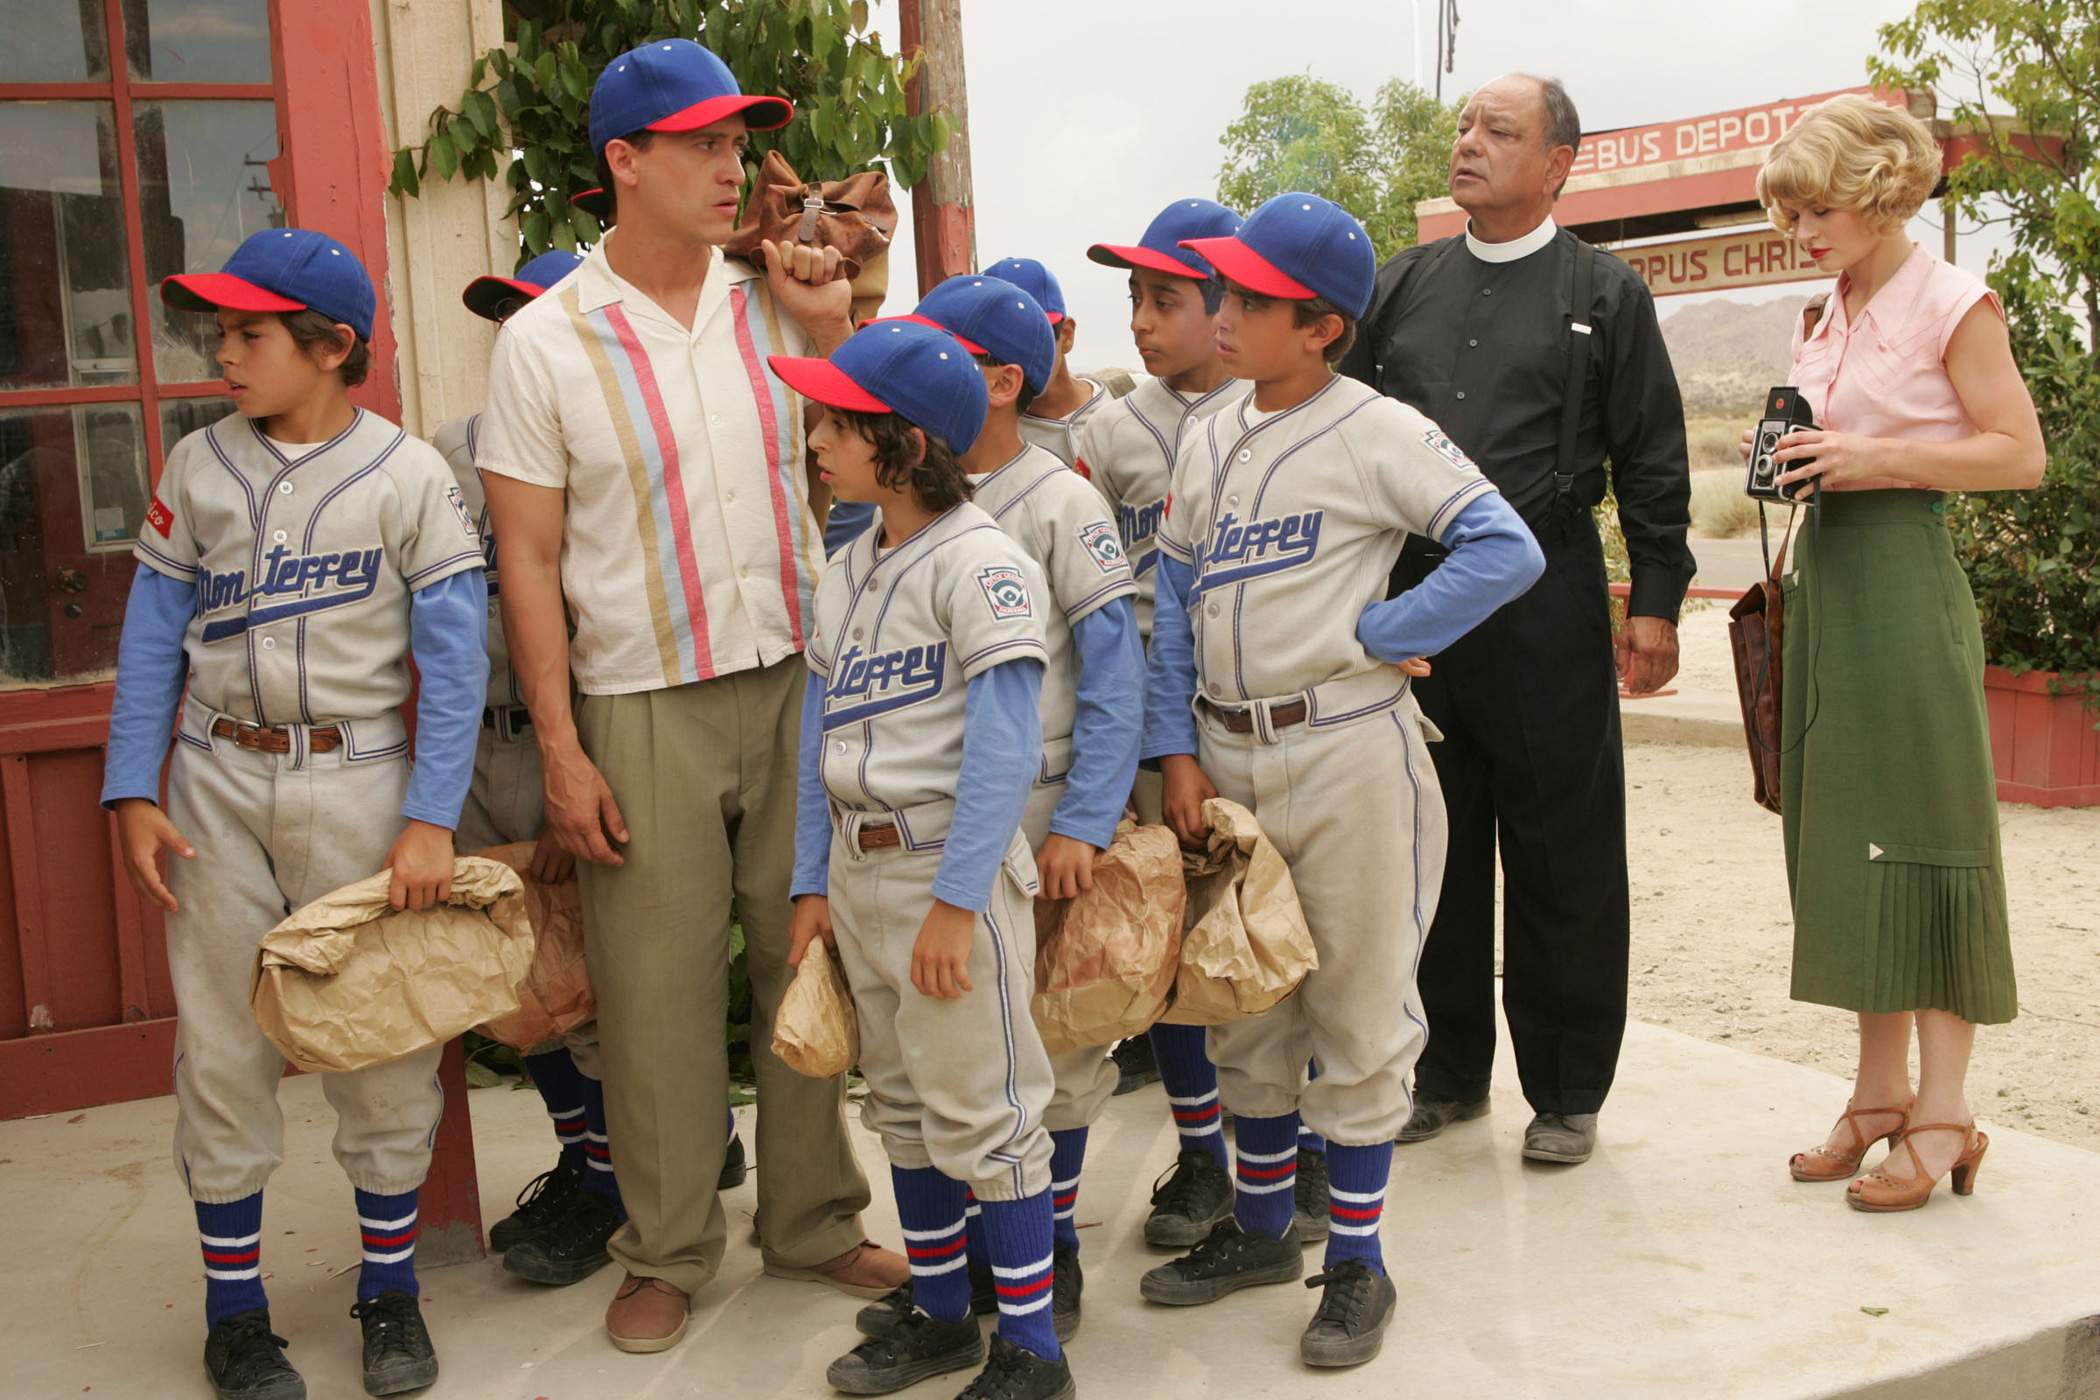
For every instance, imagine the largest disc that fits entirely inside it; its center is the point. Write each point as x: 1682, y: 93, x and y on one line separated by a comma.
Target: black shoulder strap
x: 1579, y: 334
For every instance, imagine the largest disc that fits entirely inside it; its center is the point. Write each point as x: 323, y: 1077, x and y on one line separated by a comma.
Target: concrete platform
x: 1681, y: 1262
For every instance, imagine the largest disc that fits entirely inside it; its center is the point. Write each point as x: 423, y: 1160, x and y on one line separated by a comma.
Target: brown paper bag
x: 1105, y: 961
x: 1247, y: 945
x: 350, y: 981
x: 816, y: 1031
x: 556, y: 993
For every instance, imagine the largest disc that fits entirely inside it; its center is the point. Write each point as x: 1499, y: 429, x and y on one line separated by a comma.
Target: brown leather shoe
x: 865, y: 1271
x: 647, y: 1314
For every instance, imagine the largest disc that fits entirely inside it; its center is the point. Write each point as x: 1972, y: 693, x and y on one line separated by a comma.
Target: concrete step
x: 1681, y: 1262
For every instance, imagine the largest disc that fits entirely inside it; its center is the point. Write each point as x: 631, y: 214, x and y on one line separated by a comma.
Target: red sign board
x: 1718, y: 134
x: 1744, y: 258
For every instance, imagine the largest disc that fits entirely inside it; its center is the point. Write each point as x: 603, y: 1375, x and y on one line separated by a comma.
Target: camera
x: 1784, y: 413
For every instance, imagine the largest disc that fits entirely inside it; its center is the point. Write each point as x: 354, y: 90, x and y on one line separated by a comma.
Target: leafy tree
x: 1303, y: 133
x: 525, y: 115
x: 2030, y: 554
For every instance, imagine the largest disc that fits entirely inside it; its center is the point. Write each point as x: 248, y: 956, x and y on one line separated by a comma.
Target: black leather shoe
x: 1433, y: 1115
x: 917, y: 1348
x: 1566, y: 1138
x: 1356, y: 1303
x: 1135, y: 1067
x: 733, y: 1166
x: 880, y: 1318
x: 1194, y: 1196
x: 571, y: 1249
x: 540, y: 1204
x: 245, y: 1361
x: 1067, y: 1283
x: 1015, y: 1373
x: 398, y: 1354
x: 1227, y: 1260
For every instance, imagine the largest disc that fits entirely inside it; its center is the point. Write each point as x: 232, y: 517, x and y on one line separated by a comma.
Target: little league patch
x: 1101, y: 543
x: 1005, y: 590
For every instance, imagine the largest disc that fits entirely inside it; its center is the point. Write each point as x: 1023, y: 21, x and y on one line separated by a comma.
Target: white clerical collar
x: 1514, y: 249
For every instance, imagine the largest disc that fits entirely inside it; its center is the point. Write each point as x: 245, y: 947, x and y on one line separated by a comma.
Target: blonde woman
x: 1891, y: 817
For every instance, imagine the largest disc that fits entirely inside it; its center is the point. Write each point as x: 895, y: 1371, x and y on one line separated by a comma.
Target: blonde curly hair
x: 1851, y: 153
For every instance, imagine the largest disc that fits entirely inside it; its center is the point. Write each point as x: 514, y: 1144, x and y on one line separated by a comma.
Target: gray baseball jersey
x: 898, y: 637
x: 458, y: 440
x: 1060, y: 436
x: 1127, y: 450
x: 1292, y: 522
x: 303, y: 568
x: 1058, y: 520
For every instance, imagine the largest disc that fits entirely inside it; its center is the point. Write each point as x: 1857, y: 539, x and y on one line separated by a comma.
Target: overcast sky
x: 1088, y: 116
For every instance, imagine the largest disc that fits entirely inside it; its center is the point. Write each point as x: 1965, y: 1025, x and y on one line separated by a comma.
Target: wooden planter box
x: 2044, y: 748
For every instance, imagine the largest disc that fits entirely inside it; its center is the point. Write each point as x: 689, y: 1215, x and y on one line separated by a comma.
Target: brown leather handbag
x: 854, y: 215
x: 1755, y: 623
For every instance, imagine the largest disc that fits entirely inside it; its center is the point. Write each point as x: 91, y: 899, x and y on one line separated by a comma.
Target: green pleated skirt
x: 1891, y: 810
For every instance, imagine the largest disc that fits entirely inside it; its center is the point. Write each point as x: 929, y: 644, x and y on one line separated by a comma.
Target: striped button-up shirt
x: 689, y: 550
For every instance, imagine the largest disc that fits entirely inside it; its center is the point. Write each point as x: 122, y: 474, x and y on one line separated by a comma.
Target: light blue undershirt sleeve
x: 1108, y: 726
x: 845, y: 523
x: 1493, y: 560
x: 812, y: 811
x: 448, y: 628
x: 151, y: 668
x: 1170, y: 675
x: 1002, y: 752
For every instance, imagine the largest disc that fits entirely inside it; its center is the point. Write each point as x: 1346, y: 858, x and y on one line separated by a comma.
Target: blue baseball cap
x: 674, y: 85
x: 494, y: 298
x: 1161, y: 247
x: 991, y: 316
x: 1036, y: 280
x: 922, y: 375
x: 282, y: 269
x: 1298, y: 246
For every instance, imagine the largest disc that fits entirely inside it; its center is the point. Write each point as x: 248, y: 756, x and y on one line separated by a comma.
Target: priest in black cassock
x: 1542, y: 358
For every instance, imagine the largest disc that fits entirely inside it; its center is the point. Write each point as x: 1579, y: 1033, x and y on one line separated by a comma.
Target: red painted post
x: 944, y: 234
x: 450, y: 1207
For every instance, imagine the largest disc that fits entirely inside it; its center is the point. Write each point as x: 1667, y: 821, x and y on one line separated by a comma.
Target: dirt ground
x: 1712, y: 940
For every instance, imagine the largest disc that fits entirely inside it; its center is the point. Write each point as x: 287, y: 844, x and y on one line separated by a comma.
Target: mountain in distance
x: 1728, y: 353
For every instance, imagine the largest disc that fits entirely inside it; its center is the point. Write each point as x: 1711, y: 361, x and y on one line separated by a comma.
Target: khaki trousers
x: 1357, y: 814
x: 705, y: 777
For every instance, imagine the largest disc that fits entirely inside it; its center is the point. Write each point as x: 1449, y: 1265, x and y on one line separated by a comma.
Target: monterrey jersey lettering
x: 874, y: 684
x: 351, y: 574
x: 1240, y: 551
x: 1138, y: 524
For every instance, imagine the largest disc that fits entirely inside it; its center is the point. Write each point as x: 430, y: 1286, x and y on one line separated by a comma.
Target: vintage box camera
x: 1784, y: 413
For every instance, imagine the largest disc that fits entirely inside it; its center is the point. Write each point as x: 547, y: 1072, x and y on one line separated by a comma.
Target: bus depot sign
x: 1747, y: 131
x: 1752, y: 257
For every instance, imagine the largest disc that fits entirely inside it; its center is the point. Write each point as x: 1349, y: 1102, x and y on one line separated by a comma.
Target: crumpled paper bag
x: 816, y: 1031
x: 1105, y: 960
x: 556, y: 993
x: 350, y: 981
x: 1247, y: 945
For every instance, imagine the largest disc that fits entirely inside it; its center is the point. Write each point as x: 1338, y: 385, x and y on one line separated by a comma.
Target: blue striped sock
x: 1018, y: 1236
x: 560, y: 1084
x: 1266, y: 1174
x: 1308, y: 1140
x: 930, y: 1208
x: 597, y: 1148
x: 387, y: 1228
x: 1067, y: 1160
x: 231, y: 1237
x: 1191, y: 1082
x: 1356, y: 1179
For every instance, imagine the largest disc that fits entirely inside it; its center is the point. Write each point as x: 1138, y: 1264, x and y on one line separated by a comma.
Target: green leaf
x: 481, y: 111
x: 1875, y: 1312
x: 480, y: 1076
x: 405, y: 181
x: 586, y: 227
x: 443, y: 158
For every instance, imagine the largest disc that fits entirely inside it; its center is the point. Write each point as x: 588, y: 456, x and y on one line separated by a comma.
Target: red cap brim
x: 1132, y: 255
x: 823, y: 382
x: 778, y: 113
x: 209, y: 291
x: 916, y: 319
x: 1239, y: 263
x: 484, y: 295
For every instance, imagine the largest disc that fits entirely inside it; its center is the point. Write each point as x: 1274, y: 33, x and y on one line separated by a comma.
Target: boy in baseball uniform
x: 1054, y: 416
x: 1127, y: 450
x: 295, y: 553
x: 921, y: 743
x: 1280, y: 679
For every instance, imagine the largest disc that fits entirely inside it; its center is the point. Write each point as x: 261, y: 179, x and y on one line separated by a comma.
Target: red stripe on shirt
x: 769, y: 432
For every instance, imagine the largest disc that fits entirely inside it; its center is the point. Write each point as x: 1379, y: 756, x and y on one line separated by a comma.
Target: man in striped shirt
x: 646, y: 484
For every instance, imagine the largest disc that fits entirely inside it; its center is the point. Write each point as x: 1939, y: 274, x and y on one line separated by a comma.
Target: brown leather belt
x: 1242, y: 721
x: 879, y: 838
x: 268, y: 738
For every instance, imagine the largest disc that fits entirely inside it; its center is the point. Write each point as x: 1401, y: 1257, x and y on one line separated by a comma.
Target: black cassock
x: 1528, y: 701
